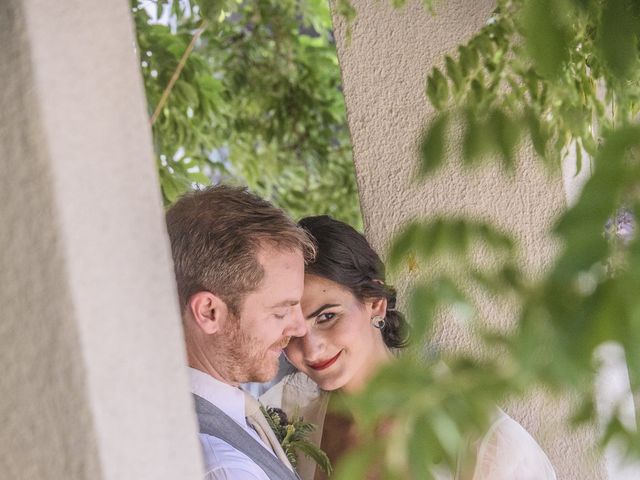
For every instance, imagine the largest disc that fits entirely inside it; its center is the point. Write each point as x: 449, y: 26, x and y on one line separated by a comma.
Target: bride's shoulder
x: 506, y: 430
x: 507, y: 449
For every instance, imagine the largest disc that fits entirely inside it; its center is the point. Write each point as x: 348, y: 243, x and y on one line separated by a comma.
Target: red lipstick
x: 326, y: 364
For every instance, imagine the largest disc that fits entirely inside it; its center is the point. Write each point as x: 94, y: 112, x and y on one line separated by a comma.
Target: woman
x: 353, y: 327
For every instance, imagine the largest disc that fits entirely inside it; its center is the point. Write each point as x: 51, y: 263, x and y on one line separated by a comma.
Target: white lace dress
x: 505, y: 452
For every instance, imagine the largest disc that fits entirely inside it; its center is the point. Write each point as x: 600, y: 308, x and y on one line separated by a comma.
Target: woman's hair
x: 345, y: 257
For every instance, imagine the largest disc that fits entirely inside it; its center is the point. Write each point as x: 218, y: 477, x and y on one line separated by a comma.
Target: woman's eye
x: 280, y: 316
x: 325, y: 317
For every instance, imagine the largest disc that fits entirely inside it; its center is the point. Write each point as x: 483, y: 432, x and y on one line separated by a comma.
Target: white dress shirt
x: 222, y: 461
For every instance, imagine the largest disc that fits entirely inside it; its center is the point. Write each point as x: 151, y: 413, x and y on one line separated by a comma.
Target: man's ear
x: 378, y: 307
x: 209, y: 312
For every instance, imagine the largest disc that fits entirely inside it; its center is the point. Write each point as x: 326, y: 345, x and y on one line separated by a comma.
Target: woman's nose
x: 313, y: 346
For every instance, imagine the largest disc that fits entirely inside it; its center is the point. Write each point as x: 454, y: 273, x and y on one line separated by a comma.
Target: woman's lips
x: 325, y: 364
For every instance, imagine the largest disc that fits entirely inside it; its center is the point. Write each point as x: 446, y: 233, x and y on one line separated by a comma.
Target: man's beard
x: 242, y: 358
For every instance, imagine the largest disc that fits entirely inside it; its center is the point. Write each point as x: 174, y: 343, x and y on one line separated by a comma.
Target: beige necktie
x: 256, y: 419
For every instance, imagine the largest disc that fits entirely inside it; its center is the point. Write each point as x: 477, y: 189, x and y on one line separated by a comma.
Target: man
x: 239, y: 265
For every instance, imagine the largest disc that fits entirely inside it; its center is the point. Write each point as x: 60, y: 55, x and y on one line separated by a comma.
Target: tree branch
x: 178, y: 71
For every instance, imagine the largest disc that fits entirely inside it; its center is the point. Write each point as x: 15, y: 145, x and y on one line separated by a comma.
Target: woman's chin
x: 328, y: 384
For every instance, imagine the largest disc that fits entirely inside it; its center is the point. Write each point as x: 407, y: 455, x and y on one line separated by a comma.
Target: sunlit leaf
x: 403, y: 244
x: 547, y: 34
x: 432, y: 147
x: 421, y: 311
x: 507, y: 132
x: 355, y: 465
x: 432, y: 237
x: 437, y: 89
x: 537, y: 133
x: 454, y: 73
x: 476, y: 141
x: 618, y: 36
x: 421, y: 447
x: 459, y: 236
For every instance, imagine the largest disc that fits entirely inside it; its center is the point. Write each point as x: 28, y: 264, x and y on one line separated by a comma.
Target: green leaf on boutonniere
x: 292, y: 435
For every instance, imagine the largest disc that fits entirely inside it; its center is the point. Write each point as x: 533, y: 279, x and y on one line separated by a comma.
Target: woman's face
x: 341, y: 348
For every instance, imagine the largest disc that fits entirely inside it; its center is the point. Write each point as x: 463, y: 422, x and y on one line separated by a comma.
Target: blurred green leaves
x: 618, y: 36
x: 562, y: 76
x: 424, y: 240
x: 556, y: 74
x: 561, y: 319
x: 433, y: 145
x: 437, y: 89
x: 432, y: 411
x: 547, y: 31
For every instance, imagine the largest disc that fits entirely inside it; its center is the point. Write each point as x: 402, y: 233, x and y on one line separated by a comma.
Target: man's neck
x: 205, y: 366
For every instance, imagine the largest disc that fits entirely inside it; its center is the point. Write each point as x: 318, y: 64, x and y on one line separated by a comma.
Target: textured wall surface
x: 93, y: 379
x: 384, y: 67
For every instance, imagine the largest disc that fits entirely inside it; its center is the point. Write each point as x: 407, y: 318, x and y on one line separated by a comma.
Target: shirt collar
x: 227, y: 398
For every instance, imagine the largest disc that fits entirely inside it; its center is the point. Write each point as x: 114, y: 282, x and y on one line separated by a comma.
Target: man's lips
x: 325, y: 364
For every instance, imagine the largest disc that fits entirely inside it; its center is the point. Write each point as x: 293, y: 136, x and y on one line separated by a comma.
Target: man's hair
x: 215, y: 236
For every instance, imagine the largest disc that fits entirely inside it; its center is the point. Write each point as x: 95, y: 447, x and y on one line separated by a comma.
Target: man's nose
x: 298, y: 327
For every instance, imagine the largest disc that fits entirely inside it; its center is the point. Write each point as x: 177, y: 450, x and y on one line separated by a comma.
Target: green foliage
x: 618, y: 38
x: 553, y: 72
x: 561, y: 75
x: 433, y: 145
x: 435, y: 409
x: 258, y: 101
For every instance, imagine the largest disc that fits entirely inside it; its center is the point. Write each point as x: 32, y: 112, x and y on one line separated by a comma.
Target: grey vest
x: 215, y: 422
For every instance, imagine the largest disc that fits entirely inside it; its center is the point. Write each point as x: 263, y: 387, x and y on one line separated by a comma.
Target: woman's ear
x: 378, y: 307
x: 208, y: 311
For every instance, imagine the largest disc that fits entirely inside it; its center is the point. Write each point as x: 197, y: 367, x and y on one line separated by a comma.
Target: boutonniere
x: 292, y: 435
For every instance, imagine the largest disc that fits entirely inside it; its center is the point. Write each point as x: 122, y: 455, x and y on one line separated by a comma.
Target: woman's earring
x: 378, y: 322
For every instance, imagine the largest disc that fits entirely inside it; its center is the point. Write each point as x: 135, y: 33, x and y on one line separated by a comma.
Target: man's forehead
x: 283, y: 279
x: 281, y: 263
x: 292, y: 302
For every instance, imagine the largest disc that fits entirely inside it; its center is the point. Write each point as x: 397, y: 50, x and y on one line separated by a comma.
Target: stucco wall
x: 384, y: 67
x: 93, y: 382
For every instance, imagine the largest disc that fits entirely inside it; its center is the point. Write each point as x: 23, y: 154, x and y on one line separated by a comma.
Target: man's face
x: 269, y: 317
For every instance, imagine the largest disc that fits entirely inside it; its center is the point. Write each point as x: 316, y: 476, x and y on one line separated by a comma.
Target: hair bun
x: 396, y: 331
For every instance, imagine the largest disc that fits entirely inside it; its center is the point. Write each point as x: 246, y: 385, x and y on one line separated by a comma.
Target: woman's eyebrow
x: 323, y: 307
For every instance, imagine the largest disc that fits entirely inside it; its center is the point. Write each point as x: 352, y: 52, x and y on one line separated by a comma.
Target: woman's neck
x: 380, y: 357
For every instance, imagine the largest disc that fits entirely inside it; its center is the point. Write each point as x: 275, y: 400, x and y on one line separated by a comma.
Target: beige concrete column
x: 384, y: 68
x: 93, y: 383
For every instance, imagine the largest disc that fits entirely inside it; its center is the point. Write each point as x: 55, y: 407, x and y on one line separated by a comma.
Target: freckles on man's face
x: 270, y: 315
